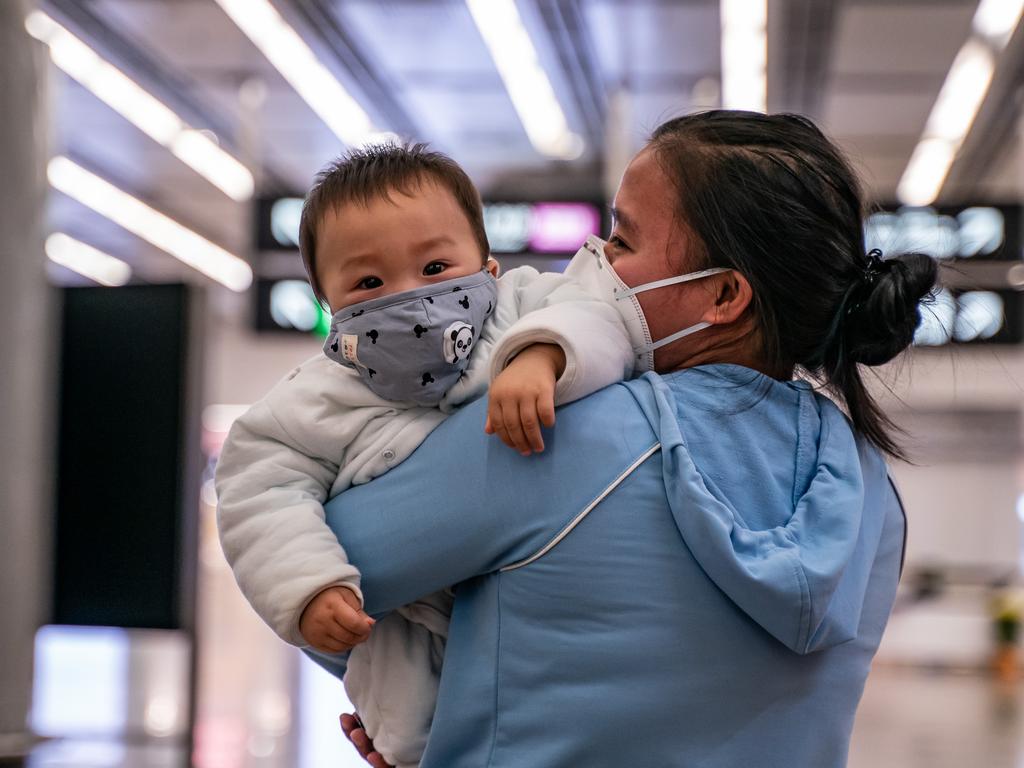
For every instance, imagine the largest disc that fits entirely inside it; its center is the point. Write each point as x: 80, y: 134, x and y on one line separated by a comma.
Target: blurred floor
x: 908, y: 719
x: 918, y: 719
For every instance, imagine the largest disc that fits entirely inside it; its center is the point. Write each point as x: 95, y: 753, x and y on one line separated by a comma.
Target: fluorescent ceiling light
x: 996, y: 19
x: 962, y: 93
x: 952, y: 115
x: 142, y: 109
x: 149, y: 224
x: 86, y: 260
x: 287, y: 52
x: 525, y: 80
x: 745, y: 54
x: 926, y: 172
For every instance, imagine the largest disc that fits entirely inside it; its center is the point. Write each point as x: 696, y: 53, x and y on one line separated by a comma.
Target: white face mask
x: 591, y: 268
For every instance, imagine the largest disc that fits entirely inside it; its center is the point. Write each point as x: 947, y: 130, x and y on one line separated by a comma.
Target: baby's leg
x: 392, y: 678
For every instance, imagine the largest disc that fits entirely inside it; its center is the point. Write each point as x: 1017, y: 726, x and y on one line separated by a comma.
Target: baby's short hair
x: 363, y: 175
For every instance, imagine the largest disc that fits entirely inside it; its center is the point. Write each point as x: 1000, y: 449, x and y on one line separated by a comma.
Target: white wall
x: 242, y: 365
x: 961, y: 514
x: 961, y: 499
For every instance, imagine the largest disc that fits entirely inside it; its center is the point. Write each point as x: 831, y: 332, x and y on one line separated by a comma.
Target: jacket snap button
x: 388, y: 454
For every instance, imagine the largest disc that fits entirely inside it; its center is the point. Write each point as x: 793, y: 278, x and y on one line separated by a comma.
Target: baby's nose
x: 406, y: 284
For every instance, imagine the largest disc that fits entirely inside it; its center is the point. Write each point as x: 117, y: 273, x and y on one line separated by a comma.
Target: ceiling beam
x: 807, y: 29
x: 355, y: 61
x: 574, y: 48
x: 995, y: 128
x: 171, y: 87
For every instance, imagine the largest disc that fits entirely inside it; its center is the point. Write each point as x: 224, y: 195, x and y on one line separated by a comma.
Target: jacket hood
x: 796, y: 555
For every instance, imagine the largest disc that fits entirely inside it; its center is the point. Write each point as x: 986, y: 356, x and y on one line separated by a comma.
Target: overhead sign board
x: 973, y: 309
x: 557, y: 228
x: 973, y: 232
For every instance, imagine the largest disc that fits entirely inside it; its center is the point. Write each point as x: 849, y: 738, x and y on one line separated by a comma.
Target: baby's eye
x: 369, y: 283
x: 434, y: 268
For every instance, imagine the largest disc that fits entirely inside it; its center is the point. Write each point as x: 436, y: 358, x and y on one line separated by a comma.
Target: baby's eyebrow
x: 433, y: 242
x: 360, y: 260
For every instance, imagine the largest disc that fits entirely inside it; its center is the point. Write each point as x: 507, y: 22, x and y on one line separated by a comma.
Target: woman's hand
x: 353, y: 728
x: 522, y: 398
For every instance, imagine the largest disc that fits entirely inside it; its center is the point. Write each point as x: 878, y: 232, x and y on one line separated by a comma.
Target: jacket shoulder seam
x: 581, y: 516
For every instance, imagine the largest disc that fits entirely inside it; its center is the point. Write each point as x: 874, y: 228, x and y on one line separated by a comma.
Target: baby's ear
x: 492, y: 266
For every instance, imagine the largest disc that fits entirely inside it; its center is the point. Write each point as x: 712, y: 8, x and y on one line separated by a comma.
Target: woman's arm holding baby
x: 464, y: 505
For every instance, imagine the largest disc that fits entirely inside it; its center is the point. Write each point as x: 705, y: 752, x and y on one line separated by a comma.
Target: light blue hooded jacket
x: 696, y: 572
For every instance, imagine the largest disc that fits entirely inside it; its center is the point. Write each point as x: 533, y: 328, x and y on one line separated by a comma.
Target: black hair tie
x: 875, y: 267
x: 858, y: 292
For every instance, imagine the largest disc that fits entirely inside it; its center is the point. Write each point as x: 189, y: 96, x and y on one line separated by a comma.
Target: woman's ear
x: 733, y: 295
x: 492, y: 266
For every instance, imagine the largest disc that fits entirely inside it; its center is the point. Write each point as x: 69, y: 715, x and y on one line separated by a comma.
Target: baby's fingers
x: 546, y: 409
x: 529, y: 420
x: 512, y: 414
x: 351, y: 620
x: 500, y: 428
x: 330, y: 644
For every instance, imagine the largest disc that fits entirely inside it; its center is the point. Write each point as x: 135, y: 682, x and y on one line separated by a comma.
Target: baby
x: 393, y: 241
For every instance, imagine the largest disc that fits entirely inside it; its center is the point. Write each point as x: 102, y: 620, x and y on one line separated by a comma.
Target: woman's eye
x: 369, y: 283
x: 617, y: 242
x: 433, y: 268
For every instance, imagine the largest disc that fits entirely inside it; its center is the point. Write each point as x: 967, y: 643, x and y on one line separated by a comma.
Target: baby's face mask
x: 413, y: 346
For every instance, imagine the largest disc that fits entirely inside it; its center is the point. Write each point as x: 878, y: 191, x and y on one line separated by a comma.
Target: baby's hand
x: 334, y: 621
x: 522, y: 397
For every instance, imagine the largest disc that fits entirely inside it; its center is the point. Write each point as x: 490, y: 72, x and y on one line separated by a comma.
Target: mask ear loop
x: 670, y: 281
x: 676, y: 336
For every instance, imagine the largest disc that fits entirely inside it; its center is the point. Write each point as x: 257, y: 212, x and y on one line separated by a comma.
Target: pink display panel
x: 562, y: 227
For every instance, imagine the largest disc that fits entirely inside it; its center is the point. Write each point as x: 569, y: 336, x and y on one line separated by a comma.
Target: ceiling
x: 867, y: 70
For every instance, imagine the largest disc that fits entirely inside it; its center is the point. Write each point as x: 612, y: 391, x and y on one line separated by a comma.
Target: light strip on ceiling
x: 149, y: 224
x: 141, y: 108
x: 86, y: 260
x: 745, y: 54
x: 995, y: 20
x: 286, y: 51
x: 527, y: 83
x: 959, y: 100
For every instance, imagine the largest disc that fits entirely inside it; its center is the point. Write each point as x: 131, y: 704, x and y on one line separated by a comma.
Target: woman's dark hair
x: 771, y: 197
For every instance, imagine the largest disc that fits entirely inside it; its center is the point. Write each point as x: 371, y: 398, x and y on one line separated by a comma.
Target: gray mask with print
x: 414, y: 345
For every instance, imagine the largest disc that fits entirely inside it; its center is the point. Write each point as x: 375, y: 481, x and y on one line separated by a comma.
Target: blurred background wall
x: 26, y: 387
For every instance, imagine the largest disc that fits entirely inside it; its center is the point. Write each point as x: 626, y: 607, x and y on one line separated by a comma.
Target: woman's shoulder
x: 618, y: 416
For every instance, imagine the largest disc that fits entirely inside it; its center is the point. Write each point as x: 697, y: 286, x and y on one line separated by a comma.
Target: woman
x: 698, y: 569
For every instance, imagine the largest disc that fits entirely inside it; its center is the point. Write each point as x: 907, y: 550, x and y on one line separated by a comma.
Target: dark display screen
x: 125, y: 506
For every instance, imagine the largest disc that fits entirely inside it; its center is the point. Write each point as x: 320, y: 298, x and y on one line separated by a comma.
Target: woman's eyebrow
x: 622, y: 220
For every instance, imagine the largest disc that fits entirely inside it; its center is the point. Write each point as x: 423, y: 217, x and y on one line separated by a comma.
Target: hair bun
x: 882, y: 322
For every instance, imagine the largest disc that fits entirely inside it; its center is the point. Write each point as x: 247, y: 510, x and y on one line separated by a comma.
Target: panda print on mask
x: 417, y: 343
x: 458, y: 342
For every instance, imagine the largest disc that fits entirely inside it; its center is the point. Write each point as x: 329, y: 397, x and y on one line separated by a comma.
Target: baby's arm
x: 270, y: 492
x: 565, y: 345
